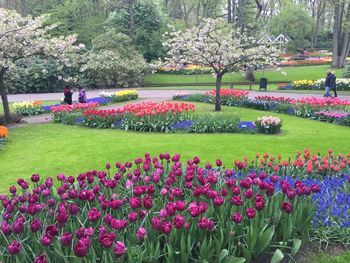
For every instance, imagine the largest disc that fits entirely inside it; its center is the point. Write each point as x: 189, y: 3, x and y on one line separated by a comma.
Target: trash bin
x: 263, y: 84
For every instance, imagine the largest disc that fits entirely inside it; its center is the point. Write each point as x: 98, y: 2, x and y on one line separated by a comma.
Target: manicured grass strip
x: 324, y: 258
x: 292, y: 73
x: 49, y: 149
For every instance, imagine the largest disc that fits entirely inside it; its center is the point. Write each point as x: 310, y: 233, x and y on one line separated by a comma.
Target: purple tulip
x: 51, y: 230
x: 46, y: 240
x: 35, y: 178
x: 35, y: 225
x: 107, y: 239
x: 73, y: 209
x: 14, y: 247
x: 81, y: 248
x: 13, y: 189
x: 17, y: 227
x: 41, y: 259
x: 61, y: 177
x: 66, y: 239
x: 119, y: 249
x: 94, y: 215
x: 5, y: 228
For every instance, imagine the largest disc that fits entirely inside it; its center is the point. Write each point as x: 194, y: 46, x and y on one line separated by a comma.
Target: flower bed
x: 303, y: 107
x: 229, y: 97
x: 342, y: 84
x: 144, y: 116
x: 68, y: 114
x: 161, y: 209
x: 162, y: 117
x: 337, y: 117
x: 305, y: 84
x: 28, y: 108
x: 4, y: 132
x: 268, y: 125
x: 120, y: 96
x: 306, y: 62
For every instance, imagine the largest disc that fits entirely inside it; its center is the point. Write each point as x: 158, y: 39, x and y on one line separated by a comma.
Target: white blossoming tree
x: 23, y: 37
x: 219, y: 46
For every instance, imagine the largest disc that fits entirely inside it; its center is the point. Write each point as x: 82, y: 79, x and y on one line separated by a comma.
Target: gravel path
x: 144, y: 95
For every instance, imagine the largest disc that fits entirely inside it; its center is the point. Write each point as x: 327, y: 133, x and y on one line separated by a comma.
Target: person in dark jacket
x: 330, y: 84
x: 68, y: 95
x: 334, y: 84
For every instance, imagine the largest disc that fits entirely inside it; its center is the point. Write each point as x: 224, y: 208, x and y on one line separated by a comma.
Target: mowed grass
x: 291, y: 73
x: 50, y: 149
x: 325, y: 258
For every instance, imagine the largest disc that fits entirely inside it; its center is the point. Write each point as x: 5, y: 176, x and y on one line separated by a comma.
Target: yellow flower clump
x: 126, y: 92
x: 304, y: 82
x: 4, y: 132
x: 26, y: 104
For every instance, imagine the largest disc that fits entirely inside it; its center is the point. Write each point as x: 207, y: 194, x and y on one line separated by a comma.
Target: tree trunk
x: 132, y: 23
x: 341, y: 35
x: 336, y: 34
x: 229, y: 11
x: 315, y: 28
x: 233, y: 15
x: 3, y: 94
x: 218, y: 89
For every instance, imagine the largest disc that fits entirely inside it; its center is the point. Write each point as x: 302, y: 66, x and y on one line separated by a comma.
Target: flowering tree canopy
x: 114, y: 60
x: 23, y: 37
x: 220, y: 47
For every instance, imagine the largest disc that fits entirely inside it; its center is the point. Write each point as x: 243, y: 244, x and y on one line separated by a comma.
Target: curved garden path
x: 144, y: 95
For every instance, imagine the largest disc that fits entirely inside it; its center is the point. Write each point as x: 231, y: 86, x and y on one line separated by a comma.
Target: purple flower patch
x: 99, y: 100
x: 247, y: 125
x: 182, y: 125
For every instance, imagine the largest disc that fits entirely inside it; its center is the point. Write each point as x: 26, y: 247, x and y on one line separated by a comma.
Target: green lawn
x: 44, y: 103
x: 293, y: 73
x: 49, y: 149
x: 325, y: 258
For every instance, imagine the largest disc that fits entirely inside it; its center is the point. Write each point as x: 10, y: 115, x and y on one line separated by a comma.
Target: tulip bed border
x: 36, y: 108
x: 330, y: 110
x: 158, y: 208
x: 155, y: 117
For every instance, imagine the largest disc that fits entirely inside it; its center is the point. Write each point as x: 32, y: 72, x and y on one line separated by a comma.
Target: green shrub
x: 214, y: 122
x: 346, y: 71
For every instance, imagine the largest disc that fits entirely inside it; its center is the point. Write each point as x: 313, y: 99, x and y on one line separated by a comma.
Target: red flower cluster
x: 154, y: 108
x: 103, y: 113
x: 144, y: 108
x: 74, y: 106
x: 229, y: 93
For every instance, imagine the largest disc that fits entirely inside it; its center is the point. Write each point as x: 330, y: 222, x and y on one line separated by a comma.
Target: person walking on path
x: 82, y: 95
x: 330, y: 84
x: 68, y: 95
